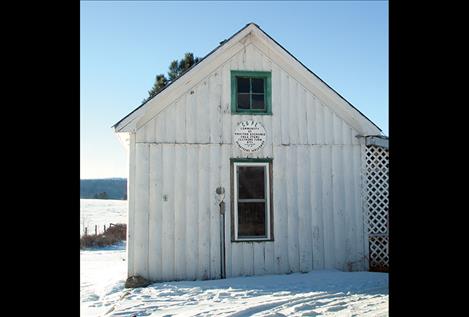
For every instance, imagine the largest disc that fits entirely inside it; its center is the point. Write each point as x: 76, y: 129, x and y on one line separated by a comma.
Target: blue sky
x: 123, y: 45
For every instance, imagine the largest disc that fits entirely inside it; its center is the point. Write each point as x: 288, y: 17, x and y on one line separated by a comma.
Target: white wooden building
x: 248, y: 109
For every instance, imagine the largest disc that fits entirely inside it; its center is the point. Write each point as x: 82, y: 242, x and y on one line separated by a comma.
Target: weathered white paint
x: 140, y: 242
x: 131, y: 200
x: 168, y: 199
x: 155, y: 235
x: 181, y: 153
x: 180, y: 212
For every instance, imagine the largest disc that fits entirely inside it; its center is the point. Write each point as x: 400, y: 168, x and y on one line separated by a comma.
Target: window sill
x: 253, y: 240
x: 252, y: 113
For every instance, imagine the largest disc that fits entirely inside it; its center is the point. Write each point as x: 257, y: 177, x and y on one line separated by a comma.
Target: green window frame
x: 266, y: 76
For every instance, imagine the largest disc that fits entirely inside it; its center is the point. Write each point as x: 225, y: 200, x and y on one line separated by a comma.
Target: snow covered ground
x: 101, y: 212
x: 319, y: 293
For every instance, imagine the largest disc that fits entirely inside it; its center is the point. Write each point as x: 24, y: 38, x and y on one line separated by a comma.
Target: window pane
x: 257, y: 85
x: 258, y: 101
x: 243, y: 101
x: 243, y: 84
x: 251, y: 219
x: 251, y: 182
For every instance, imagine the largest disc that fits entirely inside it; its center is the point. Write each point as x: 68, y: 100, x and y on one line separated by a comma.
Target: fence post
x: 95, y: 230
x: 104, y: 228
x: 86, y: 231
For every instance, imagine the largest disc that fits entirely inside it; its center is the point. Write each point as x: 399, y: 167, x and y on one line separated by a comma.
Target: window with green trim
x: 251, y: 92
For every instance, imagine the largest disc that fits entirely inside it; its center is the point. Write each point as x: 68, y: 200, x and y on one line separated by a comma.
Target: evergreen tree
x: 176, y: 69
x: 160, y: 83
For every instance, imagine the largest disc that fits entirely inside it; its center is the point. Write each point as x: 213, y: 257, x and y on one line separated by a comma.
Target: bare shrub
x: 112, y: 235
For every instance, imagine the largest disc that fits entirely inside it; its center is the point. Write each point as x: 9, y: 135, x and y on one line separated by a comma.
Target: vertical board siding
x: 338, y: 205
x: 316, y: 203
x: 259, y: 258
x: 168, y: 267
x: 350, y: 197
x: 226, y: 104
x: 191, y: 116
x: 346, y: 133
x: 269, y: 258
x: 329, y: 229
x: 180, y: 156
x: 310, y: 115
x: 180, y: 114
x: 337, y: 129
x: 238, y: 263
x: 203, y: 213
x: 319, y: 123
x: 358, y: 209
x: 292, y: 210
x: 155, y: 209
x: 292, y: 128
x: 179, y: 212
x: 302, y: 115
x: 131, y: 203
x: 304, y: 210
x: 237, y: 259
x: 248, y: 258
x: 192, y: 160
x: 214, y: 108
x: 225, y: 182
x: 285, y: 108
x: 328, y: 126
x: 214, y: 221
x: 280, y: 212
x: 170, y: 119
x: 140, y: 135
x: 202, y: 112
x: 276, y: 106
x: 355, y: 140
x: 141, y: 210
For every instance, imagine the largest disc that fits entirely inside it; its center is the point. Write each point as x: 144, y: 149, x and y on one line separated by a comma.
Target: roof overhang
x: 377, y: 140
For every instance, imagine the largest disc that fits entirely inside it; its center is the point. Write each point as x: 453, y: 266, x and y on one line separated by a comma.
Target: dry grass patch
x: 112, y: 235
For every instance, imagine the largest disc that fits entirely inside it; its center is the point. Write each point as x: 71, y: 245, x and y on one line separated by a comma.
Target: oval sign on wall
x: 249, y: 136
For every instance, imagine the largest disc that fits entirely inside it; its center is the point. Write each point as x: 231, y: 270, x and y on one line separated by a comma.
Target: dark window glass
x: 257, y: 85
x: 251, y: 182
x: 251, y: 219
x: 258, y: 101
x: 243, y: 84
x: 243, y: 101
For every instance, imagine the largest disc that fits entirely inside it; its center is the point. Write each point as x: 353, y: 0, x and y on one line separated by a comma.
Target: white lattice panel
x: 379, y: 255
x: 376, y: 201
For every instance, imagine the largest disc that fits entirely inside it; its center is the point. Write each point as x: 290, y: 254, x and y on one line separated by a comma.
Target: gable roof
x: 121, y: 125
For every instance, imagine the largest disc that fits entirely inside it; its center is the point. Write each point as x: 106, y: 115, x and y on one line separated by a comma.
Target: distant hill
x: 106, y: 188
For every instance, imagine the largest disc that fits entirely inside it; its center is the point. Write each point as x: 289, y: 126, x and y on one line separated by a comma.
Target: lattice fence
x: 376, y: 201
